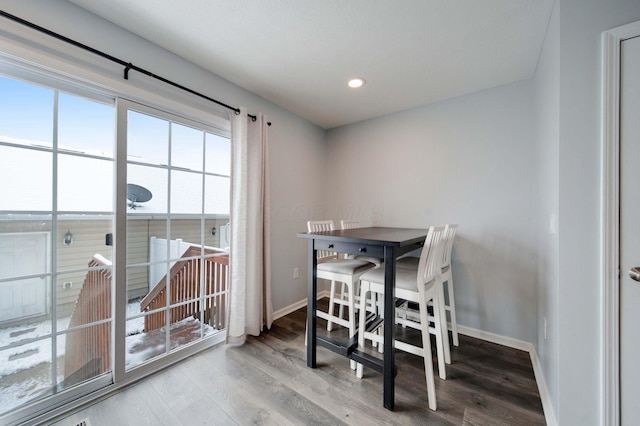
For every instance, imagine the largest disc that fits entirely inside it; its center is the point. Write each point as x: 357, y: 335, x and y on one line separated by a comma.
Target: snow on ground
x: 136, y: 325
x: 144, y: 346
x: 26, y: 390
x: 27, y: 376
x: 40, y: 350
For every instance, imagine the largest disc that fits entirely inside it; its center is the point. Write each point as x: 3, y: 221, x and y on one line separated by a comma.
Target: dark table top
x: 373, y: 235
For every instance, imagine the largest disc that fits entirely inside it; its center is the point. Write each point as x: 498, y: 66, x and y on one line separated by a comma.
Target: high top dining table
x: 380, y: 242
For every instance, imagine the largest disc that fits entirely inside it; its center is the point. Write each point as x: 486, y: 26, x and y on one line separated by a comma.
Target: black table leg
x: 389, y: 326
x: 312, y: 305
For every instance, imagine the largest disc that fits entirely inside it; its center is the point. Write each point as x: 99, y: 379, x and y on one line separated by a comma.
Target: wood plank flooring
x: 266, y: 382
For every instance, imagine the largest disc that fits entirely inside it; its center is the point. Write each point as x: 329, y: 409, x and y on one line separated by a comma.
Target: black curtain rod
x: 128, y: 65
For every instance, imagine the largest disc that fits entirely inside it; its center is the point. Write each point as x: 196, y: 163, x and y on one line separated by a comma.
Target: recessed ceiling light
x: 356, y: 82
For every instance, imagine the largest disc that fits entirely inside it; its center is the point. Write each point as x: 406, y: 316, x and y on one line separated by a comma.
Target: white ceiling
x: 299, y: 54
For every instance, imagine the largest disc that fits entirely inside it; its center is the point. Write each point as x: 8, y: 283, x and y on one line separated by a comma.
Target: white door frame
x: 610, y: 202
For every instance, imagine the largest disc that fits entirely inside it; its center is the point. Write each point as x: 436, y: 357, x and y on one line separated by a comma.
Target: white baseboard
x: 542, y: 388
x: 522, y: 345
x: 297, y: 305
x: 495, y: 338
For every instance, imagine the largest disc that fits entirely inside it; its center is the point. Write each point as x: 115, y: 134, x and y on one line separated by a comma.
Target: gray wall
x: 579, y: 286
x: 547, y: 103
x: 469, y: 160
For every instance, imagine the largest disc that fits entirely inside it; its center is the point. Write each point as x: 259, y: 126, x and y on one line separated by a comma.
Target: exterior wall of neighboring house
x: 89, y: 239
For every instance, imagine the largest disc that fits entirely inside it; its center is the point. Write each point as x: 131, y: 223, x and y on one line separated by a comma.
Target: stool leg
x: 428, y: 358
x: 332, y: 296
x: 341, y: 308
x: 380, y: 330
x: 443, y: 321
x: 374, y: 309
x: 452, y: 309
x: 364, y: 289
x: 352, y: 317
x: 437, y: 325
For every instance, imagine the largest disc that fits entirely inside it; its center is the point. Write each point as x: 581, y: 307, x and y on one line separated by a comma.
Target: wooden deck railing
x: 185, y: 286
x: 88, y: 350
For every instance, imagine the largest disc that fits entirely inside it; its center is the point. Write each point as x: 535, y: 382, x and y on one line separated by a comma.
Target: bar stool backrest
x: 320, y: 226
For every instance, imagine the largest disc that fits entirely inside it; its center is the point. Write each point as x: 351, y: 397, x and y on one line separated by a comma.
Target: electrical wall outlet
x: 296, y: 273
x: 67, y: 285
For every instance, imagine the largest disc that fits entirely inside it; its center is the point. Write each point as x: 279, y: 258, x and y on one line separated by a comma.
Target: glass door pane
x: 56, y: 210
x: 175, y: 296
x: 84, y: 217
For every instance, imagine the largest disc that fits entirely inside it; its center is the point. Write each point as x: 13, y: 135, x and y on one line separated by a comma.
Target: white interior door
x: 23, y: 255
x: 630, y: 231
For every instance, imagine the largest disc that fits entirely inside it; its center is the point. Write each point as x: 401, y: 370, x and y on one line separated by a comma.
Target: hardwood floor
x: 266, y: 381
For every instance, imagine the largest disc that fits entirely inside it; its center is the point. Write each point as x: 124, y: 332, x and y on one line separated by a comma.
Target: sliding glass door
x: 113, y: 240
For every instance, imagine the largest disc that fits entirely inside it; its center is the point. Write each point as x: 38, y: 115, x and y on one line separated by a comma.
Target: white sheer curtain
x: 250, y: 307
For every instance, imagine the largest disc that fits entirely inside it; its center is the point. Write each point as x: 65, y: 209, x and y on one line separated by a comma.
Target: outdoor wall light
x: 68, y: 238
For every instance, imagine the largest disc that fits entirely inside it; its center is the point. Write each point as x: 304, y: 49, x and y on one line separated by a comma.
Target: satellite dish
x: 137, y: 194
